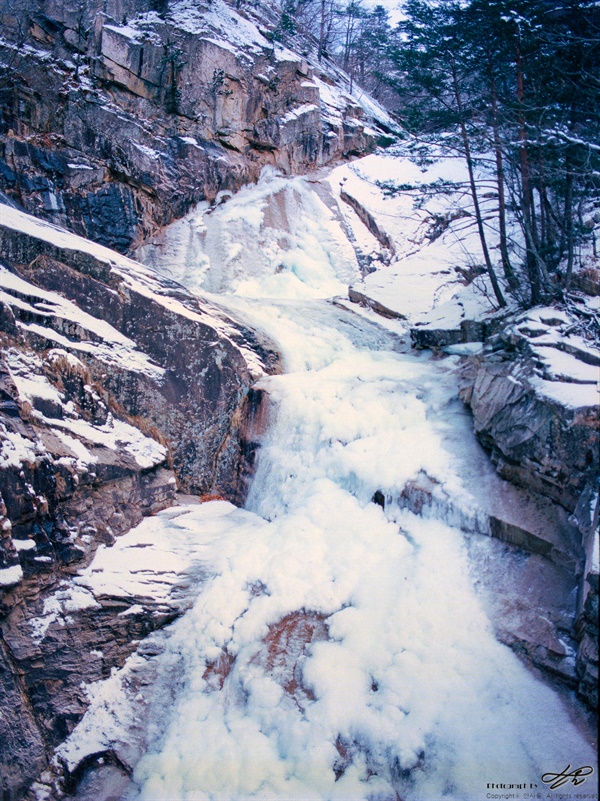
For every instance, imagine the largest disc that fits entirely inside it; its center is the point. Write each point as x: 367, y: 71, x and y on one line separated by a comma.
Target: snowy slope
x: 426, y: 212
x: 134, y: 276
x: 342, y: 646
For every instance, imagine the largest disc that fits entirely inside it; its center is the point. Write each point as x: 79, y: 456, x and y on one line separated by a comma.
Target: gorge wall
x: 533, y: 394
x: 117, y: 388
x: 115, y: 119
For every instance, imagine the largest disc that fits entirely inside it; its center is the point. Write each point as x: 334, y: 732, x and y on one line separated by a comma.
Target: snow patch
x: 9, y: 576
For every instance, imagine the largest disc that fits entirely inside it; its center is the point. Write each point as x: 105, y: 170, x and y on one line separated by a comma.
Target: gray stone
x: 547, y: 446
x: 57, y: 504
x: 161, y: 117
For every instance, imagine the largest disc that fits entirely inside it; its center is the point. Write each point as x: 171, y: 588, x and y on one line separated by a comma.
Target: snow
x: 373, y: 108
x: 566, y: 367
x: 190, y: 140
x: 114, y: 434
x: 407, y: 674
x: 23, y: 368
x: 332, y: 101
x: 282, y: 53
x: 127, y: 31
x: 576, y: 396
x: 121, y: 356
x: 430, y: 222
x: 9, y: 576
x: 57, y: 607
x: 296, y: 113
x: 136, y: 609
x: 24, y: 545
x: 335, y: 102
x: 20, y: 221
x: 147, y: 151
x: 114, y: 348
x: 58, y: 353
x: 222, y: 21
x: 72, y: 430
x: 594, y: 565
x: 150, y: 560
x: 16, y: 449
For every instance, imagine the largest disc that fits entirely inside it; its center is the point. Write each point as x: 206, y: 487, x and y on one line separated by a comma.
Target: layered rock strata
x: 115, y: 120
x: 533, y: 394
x: 117, y: 388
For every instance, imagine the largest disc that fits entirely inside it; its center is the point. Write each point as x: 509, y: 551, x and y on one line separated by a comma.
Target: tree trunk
x: 526, y: 193
x: 478, y: 217
x: 568, y: 226
x: 506, y: 265
x: 348, y: 37
x: 322, y: 31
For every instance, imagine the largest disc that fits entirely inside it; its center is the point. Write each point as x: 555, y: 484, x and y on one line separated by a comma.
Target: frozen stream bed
x: 339, y: 646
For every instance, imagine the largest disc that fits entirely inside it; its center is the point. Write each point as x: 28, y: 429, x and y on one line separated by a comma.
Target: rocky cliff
x: 533, y: 393
x: 115, y: 119
x: 117, y: 388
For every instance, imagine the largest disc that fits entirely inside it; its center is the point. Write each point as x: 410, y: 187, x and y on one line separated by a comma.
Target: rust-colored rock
x: 287, y: 643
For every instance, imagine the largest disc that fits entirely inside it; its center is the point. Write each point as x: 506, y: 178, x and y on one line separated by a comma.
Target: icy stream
x: 339, y: 650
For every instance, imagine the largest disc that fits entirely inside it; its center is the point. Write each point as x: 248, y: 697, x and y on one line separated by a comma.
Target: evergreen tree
x: 519, y: 81
x: 371, y: 63
x: 438, y: 77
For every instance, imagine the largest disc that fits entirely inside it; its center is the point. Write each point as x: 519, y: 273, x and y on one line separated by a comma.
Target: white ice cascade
x: 340, y: 650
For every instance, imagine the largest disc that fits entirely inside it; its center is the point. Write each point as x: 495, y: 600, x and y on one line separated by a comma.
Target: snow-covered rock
x: 533, y: 391
x: 121, y: 119
x: 116, y: 387
x: 413, y: 226
x: 534, y: 396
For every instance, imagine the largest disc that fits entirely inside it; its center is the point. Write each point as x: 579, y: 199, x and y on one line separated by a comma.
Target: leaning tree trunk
x: 528, y: 211
x: 568, y: 226
x: 478, y: 217
x: 506, y: 265
x: 322, y: 31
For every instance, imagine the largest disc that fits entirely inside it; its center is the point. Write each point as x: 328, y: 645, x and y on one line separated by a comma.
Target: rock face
x: 115, y: 120
x: 533, y: 402
x: 117, y: 388
x: 533, y: 394
x: 181, y: 365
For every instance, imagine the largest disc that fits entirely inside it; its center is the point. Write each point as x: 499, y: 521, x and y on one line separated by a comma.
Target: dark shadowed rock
x: 23, y: 751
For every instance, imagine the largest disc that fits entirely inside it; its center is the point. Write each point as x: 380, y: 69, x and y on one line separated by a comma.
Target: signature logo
x: 576, y: 776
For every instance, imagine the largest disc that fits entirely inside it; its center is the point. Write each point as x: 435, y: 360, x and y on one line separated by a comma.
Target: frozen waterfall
x: 339, y: 648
